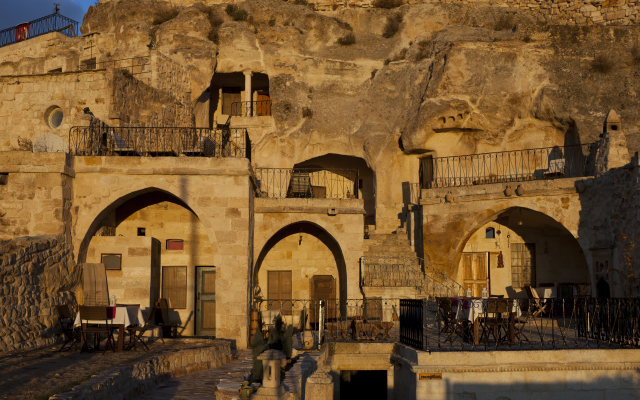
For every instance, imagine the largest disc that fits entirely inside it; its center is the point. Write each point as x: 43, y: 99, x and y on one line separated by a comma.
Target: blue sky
x: 17, y: 11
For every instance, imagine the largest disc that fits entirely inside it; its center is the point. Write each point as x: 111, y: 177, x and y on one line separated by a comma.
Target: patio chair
x: 492, y: 320
x: 522, y: 321
x: 136, y: 332
x: 95, y: 313
x: 169, y: 329
x: 537, y: 305
x: 66, y: 323
x: 453, y: 325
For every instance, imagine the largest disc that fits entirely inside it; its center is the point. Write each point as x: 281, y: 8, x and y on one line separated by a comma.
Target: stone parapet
x: 129, y: 381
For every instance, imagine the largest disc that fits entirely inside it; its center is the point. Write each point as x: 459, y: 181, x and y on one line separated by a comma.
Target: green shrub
x: 306, y: 113
x: 392, y: 26
x: 526, y: 39
x: 257, y: 347
x: 165, y: 15
x: 126, y: 73
x: 347, y: 40
x: 504, y: 22
x: 387, y: 61
x: 288, y: 341
x: 388, y: 4
x: 423, y: 51
x: 276, y: 341
x: 343, y: 25
x: 602, y: 63
x: 272, y: 22
x: 236, y: 13
x: 215, y: 20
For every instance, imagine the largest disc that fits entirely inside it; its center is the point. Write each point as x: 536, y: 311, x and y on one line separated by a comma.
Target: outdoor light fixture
x: 300, y: 241
x: 520, y: 223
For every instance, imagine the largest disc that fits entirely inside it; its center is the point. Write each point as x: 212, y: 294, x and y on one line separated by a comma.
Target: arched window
x: 490, y: 233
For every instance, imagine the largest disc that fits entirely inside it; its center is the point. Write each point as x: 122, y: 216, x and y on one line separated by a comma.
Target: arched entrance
x: 521, y: 247
x: 302, y: 262
x: 154, y: 246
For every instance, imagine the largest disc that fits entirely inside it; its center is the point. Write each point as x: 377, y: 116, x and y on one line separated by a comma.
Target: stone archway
x: 519, y: 247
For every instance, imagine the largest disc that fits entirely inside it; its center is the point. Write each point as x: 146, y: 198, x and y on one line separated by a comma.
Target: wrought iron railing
x: 158, y: 141
x: 38, y: 27
x: 307, y: 183
x: 408, y: 272
x: 509, y: 166
x: 412, y: 315
x: 260, y: 108
x: 342, y: 319
x: 473, y: 324
x: 134, y: 66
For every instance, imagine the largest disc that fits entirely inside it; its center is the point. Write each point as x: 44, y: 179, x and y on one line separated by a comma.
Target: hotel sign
x: 430, y: 377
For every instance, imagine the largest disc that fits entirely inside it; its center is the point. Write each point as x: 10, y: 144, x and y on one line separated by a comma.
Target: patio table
x: 473, y: 307
x: 122, y: 317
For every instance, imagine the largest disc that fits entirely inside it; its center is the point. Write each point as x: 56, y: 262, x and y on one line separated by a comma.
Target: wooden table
x: 124, y: 316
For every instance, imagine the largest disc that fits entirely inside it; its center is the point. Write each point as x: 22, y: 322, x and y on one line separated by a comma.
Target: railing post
x: 320, y: 324
x: 356, y: 188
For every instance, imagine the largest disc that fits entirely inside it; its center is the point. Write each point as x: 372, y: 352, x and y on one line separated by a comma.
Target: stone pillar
x: 319, y: 386
x: 271, y: 388
x: 247, y: 93
x: 612, y: 148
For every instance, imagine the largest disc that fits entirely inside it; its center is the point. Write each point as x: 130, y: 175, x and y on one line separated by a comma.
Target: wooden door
x: 323, y: 287
x: 231, y: 95
x: 263, y: 108
x: 474, y: 273
x: 205, y: 301
x: 279, y: 291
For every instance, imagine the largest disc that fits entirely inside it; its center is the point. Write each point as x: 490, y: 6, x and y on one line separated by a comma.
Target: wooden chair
x: 137, y: 332
x: 454, y: 326
x: 522, y: 320
x: 66, y: 323
x: 492, y: 320
x: 95, y: 313
x: 169, y: 329
x: 446, y: 314
x: 537, y: 305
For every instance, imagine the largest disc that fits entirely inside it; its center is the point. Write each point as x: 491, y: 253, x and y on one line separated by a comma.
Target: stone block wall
x: 610, y: 12
x: 36, y: 274
x: 169, y: 76
x: 27, y: 100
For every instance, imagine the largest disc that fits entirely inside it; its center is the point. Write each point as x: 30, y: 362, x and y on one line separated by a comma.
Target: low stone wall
x: 129, y: 381
x: 37, y: 273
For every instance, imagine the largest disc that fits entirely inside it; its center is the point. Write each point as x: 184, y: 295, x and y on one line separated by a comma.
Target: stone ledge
x: 129, y: 381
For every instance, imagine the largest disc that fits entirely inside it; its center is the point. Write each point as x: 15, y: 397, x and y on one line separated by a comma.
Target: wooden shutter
x: 279, y: 285
x: 523, y: 265
x: 426, y: 172
x: 174, y: 286
x: 231, y: 95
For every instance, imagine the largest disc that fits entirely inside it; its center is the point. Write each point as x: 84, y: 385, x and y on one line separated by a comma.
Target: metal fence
x: 51, y: 23
x: 339, y: 320
x: 134, y: 66
x: 260, y: 108
x: 471, y: 324
x: 315, y: 183
x: 158, y: 141
x: 508, y: 166
x: 408, y: 272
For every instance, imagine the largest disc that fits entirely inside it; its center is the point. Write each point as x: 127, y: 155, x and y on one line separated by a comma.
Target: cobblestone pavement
x: 203, y: 385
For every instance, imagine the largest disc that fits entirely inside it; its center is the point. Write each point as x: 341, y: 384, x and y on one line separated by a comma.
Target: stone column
x: 319, y: 386
x: 247, y: 93
x: 271, y: 388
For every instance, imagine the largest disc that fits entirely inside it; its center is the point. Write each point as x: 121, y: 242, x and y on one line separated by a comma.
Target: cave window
x: 490, y: 233
x: 141, y: 231
x: 614, y: 127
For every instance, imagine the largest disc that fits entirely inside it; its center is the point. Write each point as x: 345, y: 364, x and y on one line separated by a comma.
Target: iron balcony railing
x: 134, y: 66
x: 317, y: 183
x: 38, y: 27
x: 508, y: 166
x: 474, y: 324
x: 261, y: 108
x: 158, y: 141
x: 408, y: 272
x: 341, y: 320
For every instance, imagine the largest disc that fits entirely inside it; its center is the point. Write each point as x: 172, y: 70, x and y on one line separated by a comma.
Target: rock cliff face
x: 472, y: 79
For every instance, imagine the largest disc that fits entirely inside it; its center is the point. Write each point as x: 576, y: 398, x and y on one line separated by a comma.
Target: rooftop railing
x: 338, y: 320
x: 158, y: 141
x: 133, y: 66
x: 474, y: 324
x: 311, y: 183
x: 38, y: 27
x: 508, y: 166
x: 261, y: 108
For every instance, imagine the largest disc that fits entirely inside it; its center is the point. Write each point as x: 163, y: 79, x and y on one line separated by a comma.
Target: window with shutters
x: 175, y: 244
x: 279, y: 283
x: 174, y: 286
x: 523, y: 265
x: 231, y: 95
x: 426, y: 172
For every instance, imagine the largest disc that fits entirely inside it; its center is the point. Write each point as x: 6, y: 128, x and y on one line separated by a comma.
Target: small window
x: 175, y: 244
x: 490, y: 233
x: 88, y: 64
x: 141, y: 231
x: 360, y: 184
x: 55, y: 71
x: 54, y: 117
x: 111, y: 261
x: 614, y: 127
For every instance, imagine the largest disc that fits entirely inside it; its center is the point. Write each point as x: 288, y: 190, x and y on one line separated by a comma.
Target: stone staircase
x: 392, y: 269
